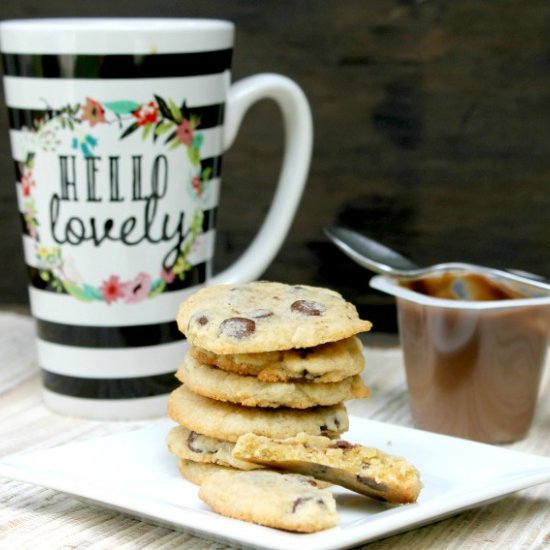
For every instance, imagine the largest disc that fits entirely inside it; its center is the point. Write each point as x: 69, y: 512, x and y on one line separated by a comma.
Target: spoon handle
x: 369, y: 253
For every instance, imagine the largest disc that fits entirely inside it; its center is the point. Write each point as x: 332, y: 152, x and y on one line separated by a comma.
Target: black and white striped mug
x: 117, y: 130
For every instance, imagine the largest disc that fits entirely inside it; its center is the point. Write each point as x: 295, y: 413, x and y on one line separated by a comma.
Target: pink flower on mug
x: 112, y: 289
x: 196, y: 182
x: 93, y: 112
x: 185, y: 132
x: 138, y: 289
x: 146, y: 114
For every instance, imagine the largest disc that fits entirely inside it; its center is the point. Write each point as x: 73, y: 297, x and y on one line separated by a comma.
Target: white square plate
x: 134, y: 473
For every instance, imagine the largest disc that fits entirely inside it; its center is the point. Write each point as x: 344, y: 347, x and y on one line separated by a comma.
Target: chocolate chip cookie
x: 228, y: 421
x: 285, y: 501
x: 266, y: 316
x: 250, y: 392
x: 330, y: 362
x: 365, y: 470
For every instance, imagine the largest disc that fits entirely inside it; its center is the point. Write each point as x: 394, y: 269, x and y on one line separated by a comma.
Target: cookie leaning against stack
x: 265, y: 358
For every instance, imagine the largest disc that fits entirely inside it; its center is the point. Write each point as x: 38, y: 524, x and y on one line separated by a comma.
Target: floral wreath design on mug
x: 159, y: 119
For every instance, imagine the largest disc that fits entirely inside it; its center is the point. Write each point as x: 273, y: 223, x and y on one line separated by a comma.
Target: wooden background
x: 432, y: 132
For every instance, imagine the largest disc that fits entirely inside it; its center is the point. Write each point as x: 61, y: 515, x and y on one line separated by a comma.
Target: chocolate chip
x: 369, y: 482
x: 306, y: 376
x: 260, y: 314
x: 299, y: 501
x: 335, y: 424
x: 238, y: 327
x: 191, y: 441
x: 321, y: 503
x: 341, y: 444
x: 202, y: 320
x: 308, y: 307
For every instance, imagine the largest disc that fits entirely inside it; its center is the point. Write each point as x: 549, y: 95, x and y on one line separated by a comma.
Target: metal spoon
x: 381, y: 259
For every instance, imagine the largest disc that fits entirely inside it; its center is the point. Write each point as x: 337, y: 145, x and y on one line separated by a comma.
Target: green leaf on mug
x: 157, y: 287
x: 162, y: 127
x: 194, y: 156
x: 130, y: 130
x: 172, y: 136
x: 175, y: 110
x: 174, y: 145
x: 93, y: 292
x: 122, y: 107
x: 197, y: 141
x: 29, y: 161
x: 145, y: 132
x: 164, y: 109
x: 77, y: 292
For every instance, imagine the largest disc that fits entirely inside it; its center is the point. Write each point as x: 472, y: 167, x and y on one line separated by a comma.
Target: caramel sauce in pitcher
x: 473, y: 373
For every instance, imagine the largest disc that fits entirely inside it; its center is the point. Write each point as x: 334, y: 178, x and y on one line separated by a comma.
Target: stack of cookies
x: 275, y: 361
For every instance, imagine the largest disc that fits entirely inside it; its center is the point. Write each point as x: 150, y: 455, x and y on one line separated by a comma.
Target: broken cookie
x: 364, y: 470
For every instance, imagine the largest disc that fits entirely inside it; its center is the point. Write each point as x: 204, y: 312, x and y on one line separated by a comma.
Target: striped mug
x: 117, y: 130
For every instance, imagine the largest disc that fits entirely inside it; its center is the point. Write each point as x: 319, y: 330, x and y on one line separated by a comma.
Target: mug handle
x: 298, y: 129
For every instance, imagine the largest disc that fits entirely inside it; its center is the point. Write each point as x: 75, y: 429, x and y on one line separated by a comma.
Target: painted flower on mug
x: 130, y: 292
x: 196, y: 182
x: 138, y: 289
x: 185, y: 132
x: 147, y: 113
x: 113, y: 289
x: 93, y: 112
x: 27, y: 183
